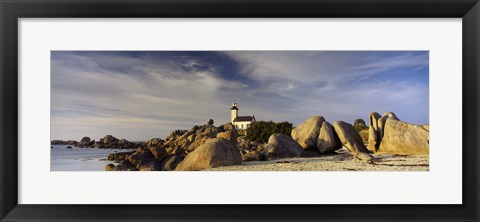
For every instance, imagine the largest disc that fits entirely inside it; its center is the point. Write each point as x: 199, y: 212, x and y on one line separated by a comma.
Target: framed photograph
x: 227, y: 110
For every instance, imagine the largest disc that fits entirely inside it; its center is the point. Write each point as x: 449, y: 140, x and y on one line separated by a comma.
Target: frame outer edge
x: 2, y: 214
x: 9, y: 110
x: 471, y: 105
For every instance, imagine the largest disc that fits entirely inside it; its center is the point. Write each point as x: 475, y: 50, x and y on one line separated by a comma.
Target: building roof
x: 244, y: 118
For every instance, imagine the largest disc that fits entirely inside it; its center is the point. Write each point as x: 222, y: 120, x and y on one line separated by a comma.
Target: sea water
x: 80, y: 159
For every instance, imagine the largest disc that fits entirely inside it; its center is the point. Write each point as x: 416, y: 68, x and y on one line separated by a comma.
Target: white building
x: 240, y: 122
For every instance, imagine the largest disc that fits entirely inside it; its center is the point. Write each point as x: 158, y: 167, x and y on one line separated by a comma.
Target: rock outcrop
x: 349, y: 137
x: 159, y: 154
x: 404, y: 138
x: 84, y: 142
x: 328, y: 140
x: 373, y: 132
x: 282, y: 146
x: 306, y: 134
x: 387, y: 134
x: 214, y: 153
x: 383, y: 119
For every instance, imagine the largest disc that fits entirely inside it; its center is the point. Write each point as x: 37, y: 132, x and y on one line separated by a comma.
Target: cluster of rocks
x: 108, y: 142
x: 316, y: 134
x: 314, y: 137
x: 198, y: 148
x: 387, y: 134
x: 147, y: 157
x: 63, y: 142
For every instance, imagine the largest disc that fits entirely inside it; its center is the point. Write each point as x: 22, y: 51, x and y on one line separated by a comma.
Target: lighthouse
x: 240, y: 122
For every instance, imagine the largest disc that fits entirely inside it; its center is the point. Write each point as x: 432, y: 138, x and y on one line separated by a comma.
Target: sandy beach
x: 342, y: 161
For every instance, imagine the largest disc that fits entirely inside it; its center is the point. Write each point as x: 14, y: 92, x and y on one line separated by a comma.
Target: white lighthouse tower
x: 234, y: 111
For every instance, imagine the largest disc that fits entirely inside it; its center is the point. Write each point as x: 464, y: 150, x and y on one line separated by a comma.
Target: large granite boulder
x: 349, y: 137
x: 404, y: 138
x: 214, y: 153
x: 306, y: 134
x: 282, y: 146
x: 374, y: 137
x: 328, y: 140
x: 383, y: 120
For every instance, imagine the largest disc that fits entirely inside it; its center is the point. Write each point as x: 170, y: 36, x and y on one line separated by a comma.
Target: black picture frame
x: 11, y: 11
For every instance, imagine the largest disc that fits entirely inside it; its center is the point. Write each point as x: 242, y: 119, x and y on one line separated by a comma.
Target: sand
x: 342, y: 161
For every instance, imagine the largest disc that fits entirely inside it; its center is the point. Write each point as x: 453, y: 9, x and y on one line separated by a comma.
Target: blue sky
x: 146, y: 94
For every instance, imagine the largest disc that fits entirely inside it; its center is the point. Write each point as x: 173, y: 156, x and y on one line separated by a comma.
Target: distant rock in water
x: 69, y: 147
x: 107, y: 141
x: 62, y: 142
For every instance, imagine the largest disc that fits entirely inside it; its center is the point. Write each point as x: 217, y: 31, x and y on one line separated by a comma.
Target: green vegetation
x: 360, y: 127
x: 260, y: 131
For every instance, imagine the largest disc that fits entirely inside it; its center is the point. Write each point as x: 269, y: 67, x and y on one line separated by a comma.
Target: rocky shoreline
x: 310, y: 146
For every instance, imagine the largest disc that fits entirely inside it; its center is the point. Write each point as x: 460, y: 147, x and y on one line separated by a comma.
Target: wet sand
x: 342, y: 161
